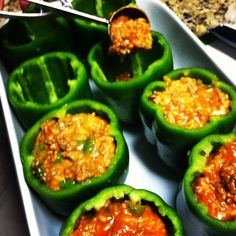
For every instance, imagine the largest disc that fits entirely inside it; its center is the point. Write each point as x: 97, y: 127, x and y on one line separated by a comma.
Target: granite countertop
x: 12, y: 218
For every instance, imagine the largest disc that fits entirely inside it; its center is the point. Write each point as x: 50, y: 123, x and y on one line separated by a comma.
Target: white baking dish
x: 146, y: 170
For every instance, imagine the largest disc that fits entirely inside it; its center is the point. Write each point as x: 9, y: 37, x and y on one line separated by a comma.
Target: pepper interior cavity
x: 189, y: 103
x: 72, y: 149
x: 44, y: 82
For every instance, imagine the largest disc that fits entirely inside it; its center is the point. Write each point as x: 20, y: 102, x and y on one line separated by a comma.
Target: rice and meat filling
x: 120, y: 218
x: 189, y: 103
x: 216, y: 187
x: 74, y: 148
x: 129, y: 34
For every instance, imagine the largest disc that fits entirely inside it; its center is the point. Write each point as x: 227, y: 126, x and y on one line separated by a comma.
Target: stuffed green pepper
x: 189, y: 104
x: 123, y: 210
x: 44, y: 83
x: 207, y: 198
x: 122, y: 77
x: 73, y: 152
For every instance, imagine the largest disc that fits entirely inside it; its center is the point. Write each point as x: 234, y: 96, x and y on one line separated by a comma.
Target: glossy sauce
x: 121, y: 218
x: 216, y: 189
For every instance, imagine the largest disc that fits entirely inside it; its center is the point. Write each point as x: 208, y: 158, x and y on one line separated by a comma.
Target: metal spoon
x: 132, y: 12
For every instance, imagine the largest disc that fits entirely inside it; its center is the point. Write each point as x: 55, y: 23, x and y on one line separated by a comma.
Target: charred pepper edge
x: 156, y: 112
x: 118, y: 192
x: 197, y: 163
x: 165, y: 60
x: 117, y: 170
x: 78, y: 88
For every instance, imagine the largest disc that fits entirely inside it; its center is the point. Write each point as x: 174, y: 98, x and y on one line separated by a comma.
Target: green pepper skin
x: 189, y: 209
x: 173, y: 142
x: 119, y: 192
x: 63, y: 201
x: 25, y: 39
x: 145, y: 66
x: 88, y: 33
x: 44, y: 83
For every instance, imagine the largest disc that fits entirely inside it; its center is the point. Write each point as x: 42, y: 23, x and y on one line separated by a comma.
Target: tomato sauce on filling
x: 129, y: 34
x: 120, y: 218
x: 189, y: 103
x: 72, y: 149
x: 216, y: 188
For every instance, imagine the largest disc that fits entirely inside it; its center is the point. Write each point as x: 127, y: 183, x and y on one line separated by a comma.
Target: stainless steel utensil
x: 132, y: 12
x: 129, y: 10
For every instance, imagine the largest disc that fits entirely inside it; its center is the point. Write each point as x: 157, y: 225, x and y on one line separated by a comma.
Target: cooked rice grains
x: 189, y: 103
x: 73, y: 148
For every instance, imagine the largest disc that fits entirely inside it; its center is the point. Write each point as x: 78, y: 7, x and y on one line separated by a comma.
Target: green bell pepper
x: 173, y: 142
x: 62, y: 201
x: 88, y: 33
x: 144, y: 66
x: 191, y: 211
x: 137, y: 197
x: 44, y: 83
x: 25, y: 39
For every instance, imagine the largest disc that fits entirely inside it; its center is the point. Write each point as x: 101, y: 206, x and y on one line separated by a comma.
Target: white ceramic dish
x: 146, y: 170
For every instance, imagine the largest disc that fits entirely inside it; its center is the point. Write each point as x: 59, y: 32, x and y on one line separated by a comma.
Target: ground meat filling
x: 120, y: 218
x: 217, y: 187
x: 189, y: 103
x: 129, y: 34
x: 72, y: 149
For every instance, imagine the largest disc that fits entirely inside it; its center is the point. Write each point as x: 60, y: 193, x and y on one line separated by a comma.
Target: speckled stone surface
x: 199, y: 15
x: 12, y: 218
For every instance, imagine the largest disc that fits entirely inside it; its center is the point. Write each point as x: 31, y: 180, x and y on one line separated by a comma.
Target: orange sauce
x: 130, y: 34
x: 121, y: 218
x: 189, y: 103
x: 216, y: 189
x: 72, y: 149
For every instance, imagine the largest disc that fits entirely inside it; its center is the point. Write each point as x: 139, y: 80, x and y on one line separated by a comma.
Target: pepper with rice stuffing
x: 121, y: 217
x: 206, y: 198
x: 72, y: 149
x: 195, y: 109
x: 122, y: 210
x: 189, y: 103
x: 216, y: 188
x: 73, y: 152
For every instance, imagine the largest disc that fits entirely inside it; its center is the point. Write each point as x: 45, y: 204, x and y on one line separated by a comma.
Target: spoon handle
x: 71, y: 11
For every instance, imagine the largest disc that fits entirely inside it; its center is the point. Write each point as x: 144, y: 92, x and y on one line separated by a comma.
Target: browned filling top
x: 72, y: 149
x: 121, y: 218
x: 129, y: 34
x: 216, y: 188
x: 189, y: 103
